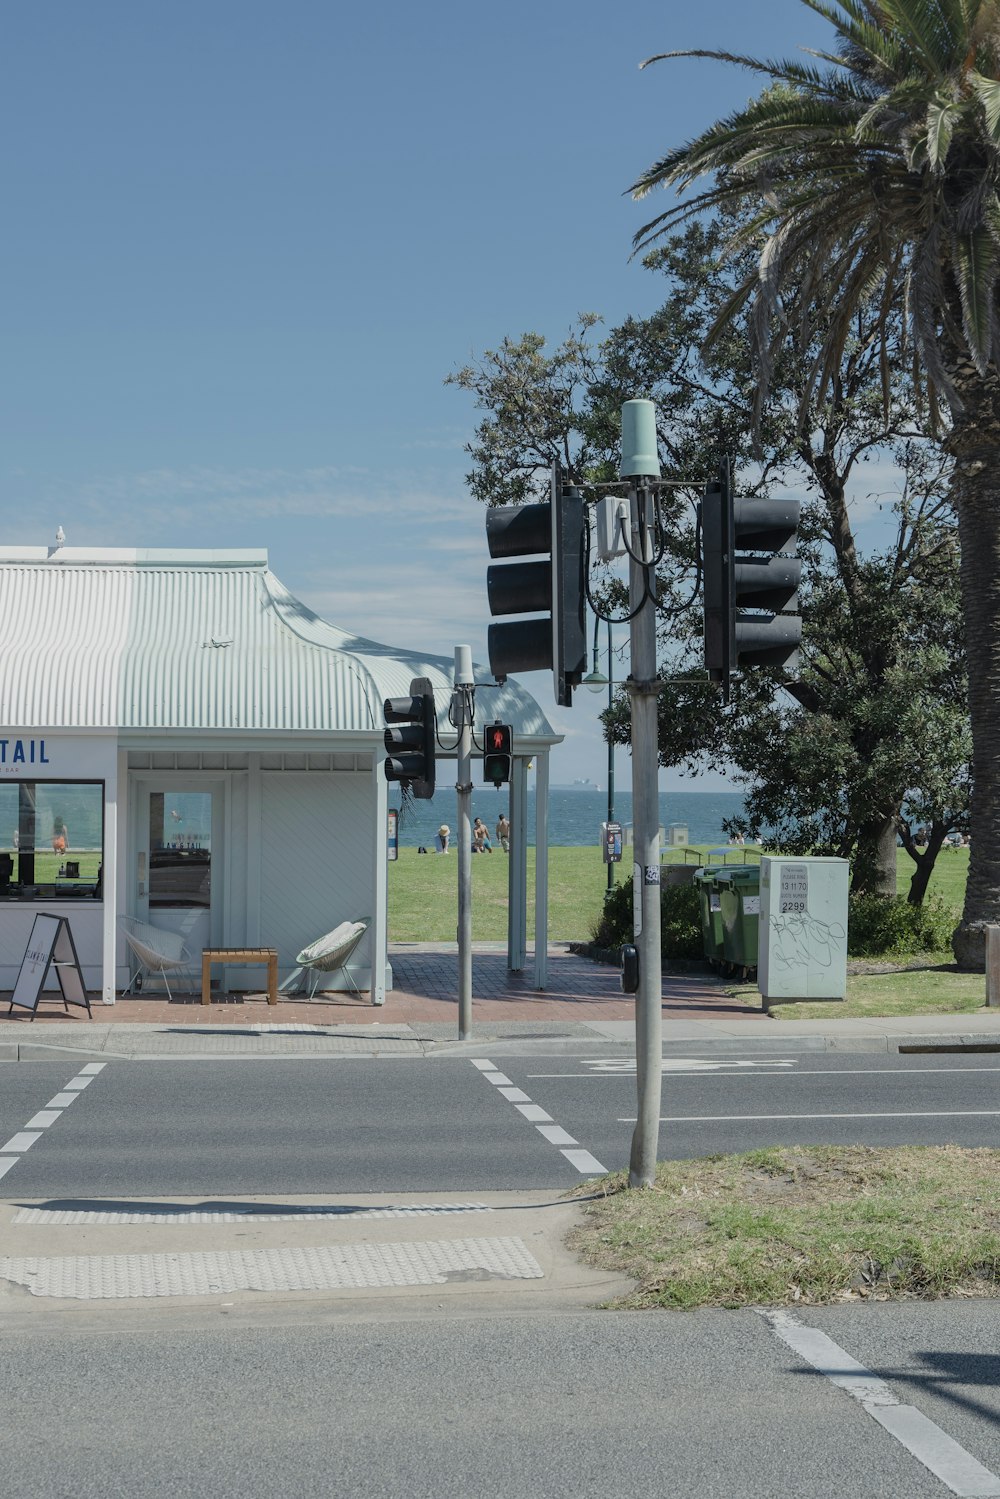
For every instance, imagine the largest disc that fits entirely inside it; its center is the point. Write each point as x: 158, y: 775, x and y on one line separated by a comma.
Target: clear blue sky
x: 244, y: 243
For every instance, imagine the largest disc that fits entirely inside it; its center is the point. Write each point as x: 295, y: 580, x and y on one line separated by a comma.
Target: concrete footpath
x: 582, y: 1005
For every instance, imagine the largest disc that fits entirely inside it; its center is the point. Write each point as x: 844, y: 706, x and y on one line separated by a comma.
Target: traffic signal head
x: 410, y: 743
x: 497, y: 753
x: 751, y: 580
x: 552, y: 587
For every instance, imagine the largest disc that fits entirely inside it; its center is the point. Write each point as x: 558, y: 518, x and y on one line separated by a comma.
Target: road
x: 470, y: 1387
x: 612, y: 1405
x: 534, y: 1118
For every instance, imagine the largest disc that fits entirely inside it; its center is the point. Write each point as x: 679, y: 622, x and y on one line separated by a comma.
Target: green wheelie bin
x: 711, y: 914
x: 739, y: 911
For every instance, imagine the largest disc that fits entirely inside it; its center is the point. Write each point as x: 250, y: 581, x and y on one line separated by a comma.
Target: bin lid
x: 707, y: 875
x: 740, y: 874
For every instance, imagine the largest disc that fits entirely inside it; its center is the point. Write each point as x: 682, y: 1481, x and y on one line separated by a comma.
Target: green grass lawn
x: 423, y: 892
x: 423, y: 895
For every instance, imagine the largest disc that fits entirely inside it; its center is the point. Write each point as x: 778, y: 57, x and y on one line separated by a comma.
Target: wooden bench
x: 241, y: 955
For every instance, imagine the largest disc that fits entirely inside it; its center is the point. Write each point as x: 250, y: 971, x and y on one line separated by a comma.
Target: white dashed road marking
x: 921, y: 1436
x: 15, y: 1147
x: 584, y: 1162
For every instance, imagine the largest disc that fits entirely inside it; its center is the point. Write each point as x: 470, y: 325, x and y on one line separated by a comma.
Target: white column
x: 541, y: 869
x: 114, y: 859
x: 517, y: 873
x: 378, y: 934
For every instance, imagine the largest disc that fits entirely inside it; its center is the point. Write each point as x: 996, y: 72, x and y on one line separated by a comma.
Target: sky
x: 245, y: 243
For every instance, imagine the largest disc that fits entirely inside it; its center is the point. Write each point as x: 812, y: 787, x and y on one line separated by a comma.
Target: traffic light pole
x: 643, y: 687
x: 462, y: 705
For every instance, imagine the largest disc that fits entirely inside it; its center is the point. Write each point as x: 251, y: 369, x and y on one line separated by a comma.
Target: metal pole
x: 643, y: 689
x: 611, y: 762
x: 462, y: 704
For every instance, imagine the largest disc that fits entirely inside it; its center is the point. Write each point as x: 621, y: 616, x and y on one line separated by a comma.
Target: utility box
x: 677, y: 835
x: 803, y: 929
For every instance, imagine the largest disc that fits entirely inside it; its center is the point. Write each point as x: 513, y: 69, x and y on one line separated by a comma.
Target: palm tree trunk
x: 975, y: 441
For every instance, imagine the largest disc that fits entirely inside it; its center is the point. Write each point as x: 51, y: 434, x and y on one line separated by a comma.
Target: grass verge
x: 929, y: 991
x: 805, y: 1225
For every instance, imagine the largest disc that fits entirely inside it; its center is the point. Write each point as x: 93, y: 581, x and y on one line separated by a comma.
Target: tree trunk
x: 975, y: 442
x: 875, y: 857
x: 924, y: 860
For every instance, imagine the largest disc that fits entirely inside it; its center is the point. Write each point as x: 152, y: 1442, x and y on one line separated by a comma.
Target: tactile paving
x: 81, y: 1217
x: 362, y: 1266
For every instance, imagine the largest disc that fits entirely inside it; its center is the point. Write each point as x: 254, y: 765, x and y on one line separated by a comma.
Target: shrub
x: 880, y: 927
x: 680, y: 920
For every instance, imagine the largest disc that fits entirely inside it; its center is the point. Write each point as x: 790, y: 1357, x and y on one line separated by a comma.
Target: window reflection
x: 180, y: 848
x: 51, y: 839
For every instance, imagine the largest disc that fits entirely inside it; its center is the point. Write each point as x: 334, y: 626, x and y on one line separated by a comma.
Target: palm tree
x: 874, y: 169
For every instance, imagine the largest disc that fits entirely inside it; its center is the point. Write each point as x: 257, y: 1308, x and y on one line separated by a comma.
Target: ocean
x: 575, y: 814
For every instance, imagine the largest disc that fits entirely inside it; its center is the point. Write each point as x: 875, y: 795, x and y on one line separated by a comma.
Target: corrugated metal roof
x: 199, y: 640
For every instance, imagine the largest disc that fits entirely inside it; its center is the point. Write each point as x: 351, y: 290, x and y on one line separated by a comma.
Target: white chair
x: 329, y: 954
x: 155, y: 951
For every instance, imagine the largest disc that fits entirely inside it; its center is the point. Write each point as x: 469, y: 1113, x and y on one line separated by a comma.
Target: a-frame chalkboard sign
x: 50, y: 945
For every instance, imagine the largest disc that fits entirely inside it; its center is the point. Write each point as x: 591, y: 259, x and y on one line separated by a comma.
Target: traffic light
x: 497, y: 753
x: 553, y: 587
x: 410, y: 746
x: 751, y: 579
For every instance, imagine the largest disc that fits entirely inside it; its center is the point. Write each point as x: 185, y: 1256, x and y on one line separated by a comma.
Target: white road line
x: 831, y: 1072
x: 15, y: 1147
x: 922, y: 1437
x: 753, y: 1118
x: 534, y: 1112
x: 21, y: 1142
x: 498, y: 1079
x: 584, y: 1162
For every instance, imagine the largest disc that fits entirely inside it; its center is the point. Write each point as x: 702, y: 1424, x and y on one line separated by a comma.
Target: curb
x: 428, y: 1048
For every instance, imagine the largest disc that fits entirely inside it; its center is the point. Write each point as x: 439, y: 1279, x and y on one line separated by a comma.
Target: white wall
x: 316, y: 851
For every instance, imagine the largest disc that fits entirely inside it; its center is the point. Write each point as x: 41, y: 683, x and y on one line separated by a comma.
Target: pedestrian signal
x: 497, y: 753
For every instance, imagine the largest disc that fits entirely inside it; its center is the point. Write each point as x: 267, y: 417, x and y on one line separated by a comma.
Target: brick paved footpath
x: 425, y: 992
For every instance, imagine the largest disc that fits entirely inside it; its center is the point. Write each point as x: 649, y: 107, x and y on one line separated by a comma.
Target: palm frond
x: 988, y: 92
x: 976, y: 273
x: 929, y: 32
x: 941, y: 119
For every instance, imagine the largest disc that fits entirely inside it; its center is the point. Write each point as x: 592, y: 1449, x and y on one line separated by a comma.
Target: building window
x: 51, y: 840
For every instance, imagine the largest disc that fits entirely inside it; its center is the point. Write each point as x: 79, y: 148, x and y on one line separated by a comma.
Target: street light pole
x: 640, y: 468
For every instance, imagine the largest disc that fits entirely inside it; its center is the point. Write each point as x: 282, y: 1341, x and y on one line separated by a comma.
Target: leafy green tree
x: 875, y: 172
x: 830, y: 759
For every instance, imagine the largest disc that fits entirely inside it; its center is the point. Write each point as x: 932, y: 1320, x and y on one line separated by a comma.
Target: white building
x: 183, y: 741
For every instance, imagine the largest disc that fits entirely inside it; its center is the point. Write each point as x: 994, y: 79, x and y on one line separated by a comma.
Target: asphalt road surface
x: 535, y: 1119
x: 705, y: 1405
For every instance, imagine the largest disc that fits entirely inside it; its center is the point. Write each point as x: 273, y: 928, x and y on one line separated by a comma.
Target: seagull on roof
x: 60, y: 536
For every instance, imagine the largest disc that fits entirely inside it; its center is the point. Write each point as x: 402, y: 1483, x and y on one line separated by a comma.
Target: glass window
x: 51, y: 839
x: 180, y: 848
